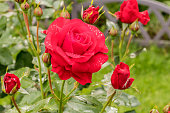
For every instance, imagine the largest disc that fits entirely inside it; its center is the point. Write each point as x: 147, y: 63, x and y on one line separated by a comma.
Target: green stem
x: 50, y: 84
x: 61, y: 97
x: 112, y: 56
x: 40, y: 77
x: 13, y: 100
x: 107, y: 103
x: 127, y: 47
x: 121, y: 43
x: 35, y: 52
x: 75, y: 87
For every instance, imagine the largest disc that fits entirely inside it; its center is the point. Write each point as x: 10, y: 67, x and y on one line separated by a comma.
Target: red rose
x: 129, y: 12
x: 76, y: 49
x: 120, y: 77
x: 91, y: 14
x: 11, y: 81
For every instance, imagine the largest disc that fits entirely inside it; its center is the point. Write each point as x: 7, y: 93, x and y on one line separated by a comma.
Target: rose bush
x: 129, y: 12
x: 76, y: 48
x: 120, y: 77
x: 91, y: 14
x: 11, y: 81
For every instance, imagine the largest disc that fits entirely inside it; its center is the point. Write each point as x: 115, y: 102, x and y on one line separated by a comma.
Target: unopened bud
x: 38, y: 12
x: 65, y: 14
x: 20, y: 1
x: 134, y: 26
x: 25, y: 6
x: 46, y: 58
x: 154, y: 111
x: 166, y: 109
x: 113, y: 31
x: 11, y: 83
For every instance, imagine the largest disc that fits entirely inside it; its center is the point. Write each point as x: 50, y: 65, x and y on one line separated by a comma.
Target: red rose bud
x: 20, y: 1
x: 91, y: 15
x: 11, y: 83
x: 113, y: 31
x: 154, y: 111
x: 25, y: 6
x: 46, y: 58
x: 120, y: 77
x: 65, y: 14
x: 134, y: 26
x: 38, y: 12
x: 129, y: 12
x: 166, y: 109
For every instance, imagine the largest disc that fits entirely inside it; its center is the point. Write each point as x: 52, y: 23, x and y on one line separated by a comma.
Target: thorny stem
x: 109, y: 100
x: 38, y: 57
x: 15, y: 104
x: 61, y: 97
x: 49, y: 79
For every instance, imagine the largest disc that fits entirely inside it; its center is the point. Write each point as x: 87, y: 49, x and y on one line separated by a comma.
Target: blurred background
x: 150, y: 56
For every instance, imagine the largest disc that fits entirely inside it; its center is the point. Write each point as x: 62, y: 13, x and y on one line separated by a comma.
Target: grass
x: 152, y: 79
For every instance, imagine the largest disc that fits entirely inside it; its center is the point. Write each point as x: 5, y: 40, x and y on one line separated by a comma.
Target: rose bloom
x: 120, y: 77
x: 76, y: 48
x: 91, y: 14
x: 129, y: 12
x: 11, y: 81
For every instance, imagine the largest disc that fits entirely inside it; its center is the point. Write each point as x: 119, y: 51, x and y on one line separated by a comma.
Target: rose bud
x: 11, y: 83
x: 154, y: 111
x: 65, y: 14
x: 120, y: 77
x: 25, y: 6
x: 46, y: 58
x: 20, y: 1
x: 134, y: 26
x: 166, y: 109
x: 113, y: 31
x: 38, y: 12
x: 91, y: 15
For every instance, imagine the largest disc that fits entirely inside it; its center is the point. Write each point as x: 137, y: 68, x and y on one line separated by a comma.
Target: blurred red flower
x: 91, y: 14
x: 129, y: 12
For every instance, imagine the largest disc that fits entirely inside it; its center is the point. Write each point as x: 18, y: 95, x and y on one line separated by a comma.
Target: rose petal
x: 129, y: 83
x: 62, y: 72
x: 144, y: 17
x: 100, y: 46
x: 114, y: 80
x: 91, y: 66
x: 82, y: 78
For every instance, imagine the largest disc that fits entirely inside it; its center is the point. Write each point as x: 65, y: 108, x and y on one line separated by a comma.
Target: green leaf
x: 5, y: 56
x: 117, y: 60
x: 125, y: 99
x: 46, y: 3
x: 34, y: 97
x: 38, y: 105
x: 47, y: 13
x: 34, y: 31
x: 2, y: 69
x: 4, y: 7
x: 83, y: 104
x: 24, y: 59
x: 3, y: 21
